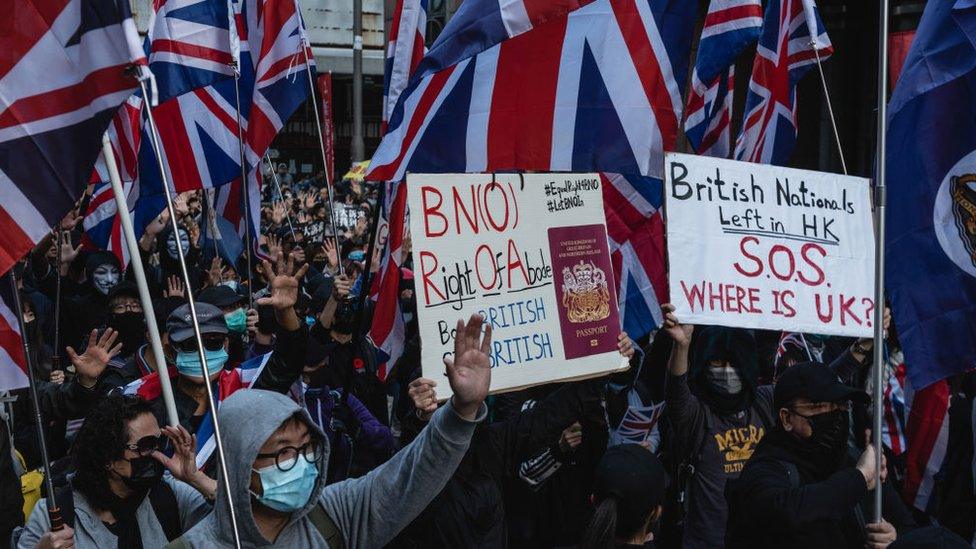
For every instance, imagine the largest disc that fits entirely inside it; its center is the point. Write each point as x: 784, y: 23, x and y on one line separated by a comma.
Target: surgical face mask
x: 171, y: 244
x: 357, y: 255
x: 104, y: 278
x: 232, y: 284
x: 188, y: 364
x: 725, y: 379
x: 287, y: 491
x: 236, y: 321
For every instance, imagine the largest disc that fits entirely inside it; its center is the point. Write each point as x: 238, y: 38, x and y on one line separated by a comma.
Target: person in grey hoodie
x: 277, y: 462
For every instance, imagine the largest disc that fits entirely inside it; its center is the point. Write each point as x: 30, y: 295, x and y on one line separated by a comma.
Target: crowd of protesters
x: 760, y: 444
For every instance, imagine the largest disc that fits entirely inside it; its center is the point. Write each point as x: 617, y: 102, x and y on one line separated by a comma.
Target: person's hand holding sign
x: 469, y: 372
x: 681, y: 334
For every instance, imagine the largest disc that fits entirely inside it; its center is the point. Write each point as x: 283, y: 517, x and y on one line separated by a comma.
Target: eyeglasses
x: 287, y: 457
x: 149, y: 444
x: 213, y: 342
x: 120, y: 308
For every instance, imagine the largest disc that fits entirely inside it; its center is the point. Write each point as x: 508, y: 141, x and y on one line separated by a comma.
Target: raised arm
x: 371, y: 510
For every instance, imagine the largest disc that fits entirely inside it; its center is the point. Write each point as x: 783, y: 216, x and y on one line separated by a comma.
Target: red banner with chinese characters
x: 328, y: 133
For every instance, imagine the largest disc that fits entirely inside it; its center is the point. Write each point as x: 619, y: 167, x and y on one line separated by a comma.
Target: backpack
x: 321, y: 520
x: 161, y: 498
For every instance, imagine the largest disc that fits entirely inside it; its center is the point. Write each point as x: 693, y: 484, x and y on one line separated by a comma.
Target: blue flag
x: 931, y: 161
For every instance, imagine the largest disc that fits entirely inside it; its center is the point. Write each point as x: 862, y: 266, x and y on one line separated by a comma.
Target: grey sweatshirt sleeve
x: 370, y: 511
x: 192, y: 505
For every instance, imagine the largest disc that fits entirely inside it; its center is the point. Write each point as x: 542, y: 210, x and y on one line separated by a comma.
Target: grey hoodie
x: 368, y: 511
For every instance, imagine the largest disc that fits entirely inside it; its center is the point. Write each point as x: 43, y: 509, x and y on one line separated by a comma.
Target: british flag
x: 787, y: 49
x: 598, y: 89
x: 387, y: 328
x: 63, y: 73
x: 404, y: 50
x: 926, y: 438
x: 189, y: 45
x: 730, y: 26
x: 635, y: 228
x: 895, y: 406
x: 199, y: 131
x: 13, y: 367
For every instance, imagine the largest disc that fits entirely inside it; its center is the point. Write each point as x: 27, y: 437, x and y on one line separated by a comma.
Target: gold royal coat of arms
x: 586, y: 295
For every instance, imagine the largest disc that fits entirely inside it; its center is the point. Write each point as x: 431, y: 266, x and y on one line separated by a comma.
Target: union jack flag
x: 895, y: 406
x: 404, y: 50
x: 926, y: 438
x: 199, y: 131
x: 62, y: 77
x: 636, y: 232
x: 598, y: 89
x: 189, y: 45
x: 13, y: 366
x: 730, y: 26
x: 786, y: 51
x: 387, y: 328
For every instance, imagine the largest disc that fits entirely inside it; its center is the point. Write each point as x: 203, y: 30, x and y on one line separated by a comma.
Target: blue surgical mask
x: 287, y: 491
x: 188, y: 364
x: 310, y: 321
x: 236, y: 321
x: 357, y: 255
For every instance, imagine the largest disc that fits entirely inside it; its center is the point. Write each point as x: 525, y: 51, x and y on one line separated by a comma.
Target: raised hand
x: 217, y: 272
x: 67, y: 253
x: 283, y: 283
x: 183, y: 463
x: 421, y: 391
x: 71, y: 220
x: 274, y: 245
x: 96, y: 357
x: 174, y: 287
x: 180, y: 206
x: 278, y: 213
x: 159, y: 223
x: 469, y: 372
x: 331, y: 255
x: 680, y: 333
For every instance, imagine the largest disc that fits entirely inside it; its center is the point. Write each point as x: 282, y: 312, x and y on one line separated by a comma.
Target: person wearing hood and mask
x: 126, y: 317
x: 116, y: 495
x: 798, y: 489
x: 717, y: 415
x: 89, y: 309
x: 278, y: 477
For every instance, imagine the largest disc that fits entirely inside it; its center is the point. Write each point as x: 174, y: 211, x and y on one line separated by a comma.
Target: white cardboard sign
x: 758, y: 246
x: 530, y: 255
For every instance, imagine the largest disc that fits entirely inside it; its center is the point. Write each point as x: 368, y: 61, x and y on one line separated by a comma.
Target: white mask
x: 104, y: 278
x: 171, y: 244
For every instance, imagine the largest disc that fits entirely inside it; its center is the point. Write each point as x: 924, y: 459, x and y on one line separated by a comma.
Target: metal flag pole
x: 221, y: 462
x: 135, y: 260
x: 56, y: 358
x: 245, y: 191
x: 830, y: 108
x: 880, y: 202
x: 53, y: 512
x: 325, y: 160
x: 274, y: 177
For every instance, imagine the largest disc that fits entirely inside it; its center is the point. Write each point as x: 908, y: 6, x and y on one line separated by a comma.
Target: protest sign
x: 757, y: 246
x: 346, y: 215
x: 530, y: 255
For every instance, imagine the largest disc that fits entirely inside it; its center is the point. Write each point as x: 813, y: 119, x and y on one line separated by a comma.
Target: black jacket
x: 778, y: 502
x: 470, y: 510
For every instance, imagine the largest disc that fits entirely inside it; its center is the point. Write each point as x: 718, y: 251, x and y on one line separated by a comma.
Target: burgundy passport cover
x: 585, y: 293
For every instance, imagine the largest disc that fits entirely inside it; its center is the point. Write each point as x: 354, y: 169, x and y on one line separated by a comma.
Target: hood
x: 248, y: 417
x: 735, y: 345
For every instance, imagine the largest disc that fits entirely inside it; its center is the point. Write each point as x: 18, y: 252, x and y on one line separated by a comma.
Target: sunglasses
x: 210, y: 342
x: 149, y: 444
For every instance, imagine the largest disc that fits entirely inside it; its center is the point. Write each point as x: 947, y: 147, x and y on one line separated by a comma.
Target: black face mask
x: 146, y: 472
x: 131, y: 327
x: 828, y: 443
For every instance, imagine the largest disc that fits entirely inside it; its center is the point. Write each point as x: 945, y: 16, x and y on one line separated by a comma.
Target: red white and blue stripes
x: 404, y: 50
x: 13, y: 366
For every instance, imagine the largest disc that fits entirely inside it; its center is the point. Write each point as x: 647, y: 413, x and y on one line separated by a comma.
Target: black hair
x: 611, y: 522
x: 101, y: 440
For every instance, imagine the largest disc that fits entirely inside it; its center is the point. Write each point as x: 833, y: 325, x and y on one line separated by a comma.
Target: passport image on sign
x: 583, y: 275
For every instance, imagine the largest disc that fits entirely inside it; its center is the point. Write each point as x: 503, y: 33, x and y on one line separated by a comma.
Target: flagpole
x: 221, y: 462
x: 274, y: 177
x: 135, y: 260
x: 248, y: 238
x: 56, y: 358
x: 880, y: 203
x: 830, y: 108
x: 53, y: 512
x: 325, y: 160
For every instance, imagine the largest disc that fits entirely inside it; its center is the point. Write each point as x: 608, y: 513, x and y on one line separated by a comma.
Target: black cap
x: 814, y: 382
x: 633, y: 475
x: 180, y: 323
x: 126, y: 288
x: 220, y: 296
